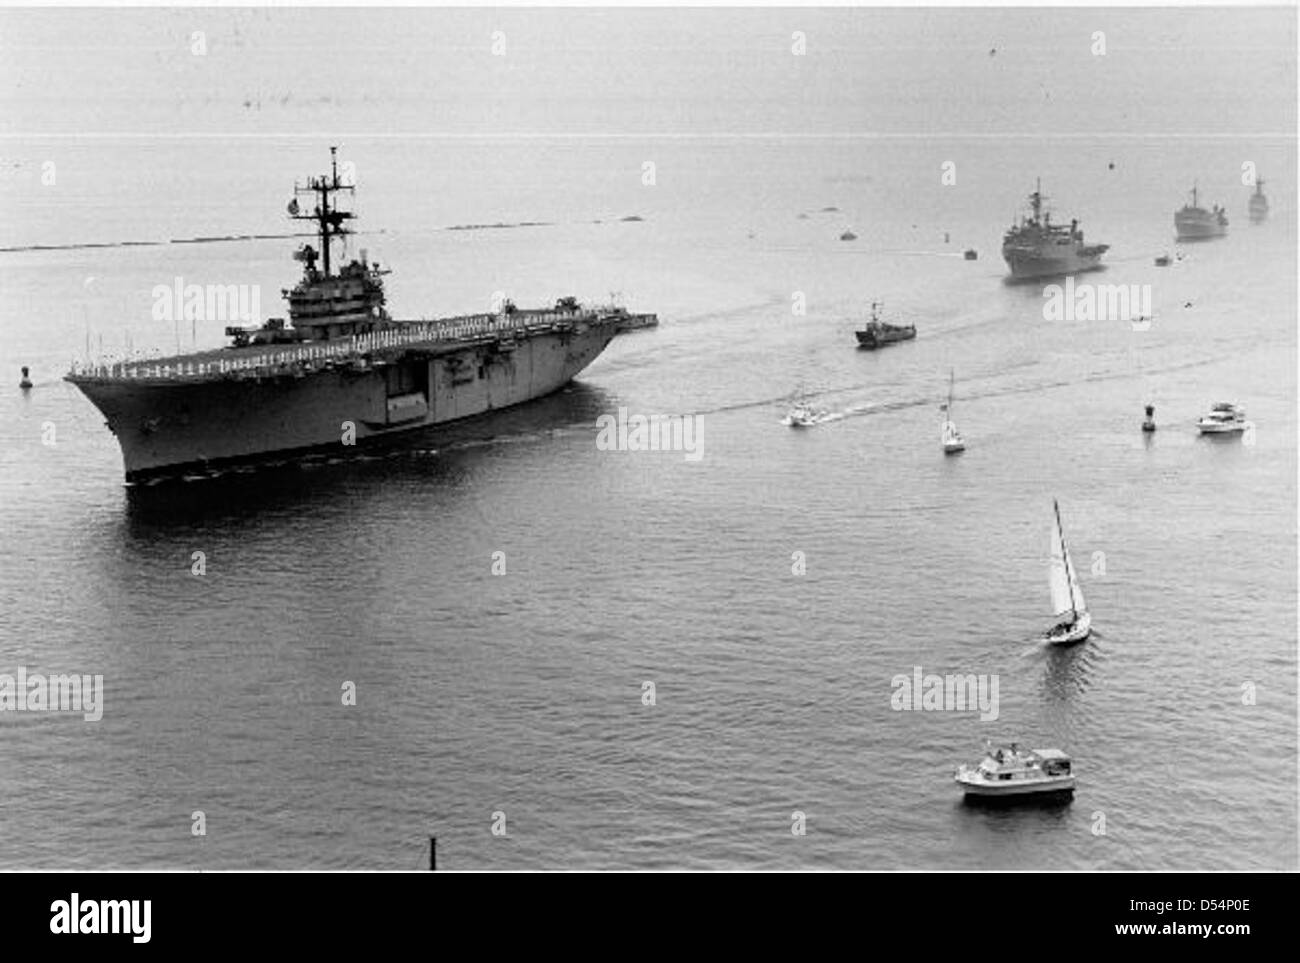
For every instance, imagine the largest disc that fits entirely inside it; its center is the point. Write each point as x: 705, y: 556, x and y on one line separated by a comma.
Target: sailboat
x: 1075, y: 623
x: 952, y: 439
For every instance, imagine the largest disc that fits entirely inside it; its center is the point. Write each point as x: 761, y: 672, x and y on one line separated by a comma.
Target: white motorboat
x: 1075, y: 623
x: 952, y: 440
x: 805, y: 415
x: 1009, y: 771
x: 1224, y: 418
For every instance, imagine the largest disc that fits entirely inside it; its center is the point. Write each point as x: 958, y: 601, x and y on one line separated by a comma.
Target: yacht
x: 1224, y: 418
x: 1067, y: 597
x: 1009, y: 771
x: 953, y: 442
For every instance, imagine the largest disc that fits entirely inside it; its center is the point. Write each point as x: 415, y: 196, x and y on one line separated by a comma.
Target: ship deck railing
x: 253, y: 360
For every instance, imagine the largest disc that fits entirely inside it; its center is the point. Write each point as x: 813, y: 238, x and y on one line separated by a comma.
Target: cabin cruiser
x: 1223, y: 418
x: 1008, y: 771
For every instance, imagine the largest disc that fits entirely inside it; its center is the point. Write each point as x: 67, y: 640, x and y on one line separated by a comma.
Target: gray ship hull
x: 173, y: 428
x: 1026, y: 265
x: 1198, y: 228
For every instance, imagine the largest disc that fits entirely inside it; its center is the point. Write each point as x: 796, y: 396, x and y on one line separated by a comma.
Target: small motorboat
x: 1009, y: 771
x: 26, y: 382
x: 1224, y: 418
x: 848, y: 236
x: 1149, y: 422
x: 805, y: 415
x: 971, y: 254
x: 1067, y: 597
x: 1162, y: 260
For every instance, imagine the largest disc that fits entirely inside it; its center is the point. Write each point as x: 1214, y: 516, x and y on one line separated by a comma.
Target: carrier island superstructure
x: 341, y: 372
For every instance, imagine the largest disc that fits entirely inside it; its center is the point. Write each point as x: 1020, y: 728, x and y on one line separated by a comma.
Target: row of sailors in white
x: 357, y: 344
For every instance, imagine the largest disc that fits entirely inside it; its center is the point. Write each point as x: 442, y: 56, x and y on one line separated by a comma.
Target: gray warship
x: 1194, y: 223
x: 1037, y: 248
x: 1258, y: 204
x: 341, y: 372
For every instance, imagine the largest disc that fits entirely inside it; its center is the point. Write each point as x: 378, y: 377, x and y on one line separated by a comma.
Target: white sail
x: 1062, y: 578
x: 948, y: 432
x: 1074, y: 584
x: 1058, y: 576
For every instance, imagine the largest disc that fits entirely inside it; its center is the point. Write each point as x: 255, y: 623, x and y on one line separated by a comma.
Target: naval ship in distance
x: 1194, y: 223
x: 1037, y: 248
x: 1258, y: 204
x: 341, y: 365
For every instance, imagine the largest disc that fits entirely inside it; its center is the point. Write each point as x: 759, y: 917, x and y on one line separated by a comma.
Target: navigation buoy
x: 26, y: 382
x: 1149, y: 424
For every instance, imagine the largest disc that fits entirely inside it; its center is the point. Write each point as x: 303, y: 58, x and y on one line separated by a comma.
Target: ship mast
x: 329, y: 219
x: 1065, y: 558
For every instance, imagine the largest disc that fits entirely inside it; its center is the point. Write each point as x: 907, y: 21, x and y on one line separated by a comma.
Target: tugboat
x: 1258, y: 204
x: 1009, y: 771
x: 878, y: 333
x: 1194, y: 223
x: 1037, y: 248
x: 342, y: 371
x: 1224, y: 418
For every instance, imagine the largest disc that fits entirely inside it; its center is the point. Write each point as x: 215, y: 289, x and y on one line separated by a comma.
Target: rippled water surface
x: 521, y: 693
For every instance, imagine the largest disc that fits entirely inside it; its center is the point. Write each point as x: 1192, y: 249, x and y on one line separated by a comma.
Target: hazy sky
x: 651, y: 70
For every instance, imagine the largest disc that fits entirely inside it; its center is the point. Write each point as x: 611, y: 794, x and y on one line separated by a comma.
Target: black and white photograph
x: 855, y: 438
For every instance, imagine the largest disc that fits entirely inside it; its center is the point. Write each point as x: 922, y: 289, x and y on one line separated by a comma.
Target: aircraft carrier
x: 341, y: 373
x: 1037, y: 248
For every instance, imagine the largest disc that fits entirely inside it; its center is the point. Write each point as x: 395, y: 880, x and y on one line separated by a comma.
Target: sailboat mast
x: 1065, y: 557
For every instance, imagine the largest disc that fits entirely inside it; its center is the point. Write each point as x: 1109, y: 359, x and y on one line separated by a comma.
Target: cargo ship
x: 1194, y: 223
x: 342, y: 372
x: 1258, y: 204
x: 1037, y: 248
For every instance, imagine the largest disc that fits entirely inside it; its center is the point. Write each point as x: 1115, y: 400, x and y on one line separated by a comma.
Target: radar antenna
x: 327, y: 216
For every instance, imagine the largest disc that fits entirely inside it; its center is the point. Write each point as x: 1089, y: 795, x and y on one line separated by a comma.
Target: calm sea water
x: 521, y: 693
